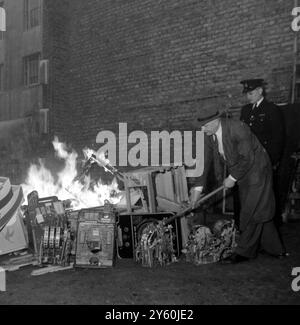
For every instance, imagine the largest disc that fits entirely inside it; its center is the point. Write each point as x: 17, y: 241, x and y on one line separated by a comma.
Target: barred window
x: 1, y: 77
x: 31, y: 69
x: 32, y: 13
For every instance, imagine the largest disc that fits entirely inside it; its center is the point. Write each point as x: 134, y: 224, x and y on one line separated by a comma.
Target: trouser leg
x: 236, y: 205
x: 277, y: 193
x: 270, y: 239
x: 249, y: 240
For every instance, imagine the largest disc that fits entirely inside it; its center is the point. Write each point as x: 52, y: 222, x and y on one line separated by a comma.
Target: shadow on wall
x: 17, y: 147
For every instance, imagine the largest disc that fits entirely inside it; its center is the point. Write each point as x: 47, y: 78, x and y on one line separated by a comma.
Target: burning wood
x: 101, y: 161
x: 68, y: 184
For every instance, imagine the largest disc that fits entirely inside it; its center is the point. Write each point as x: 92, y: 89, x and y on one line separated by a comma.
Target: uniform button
x: 250, y: 124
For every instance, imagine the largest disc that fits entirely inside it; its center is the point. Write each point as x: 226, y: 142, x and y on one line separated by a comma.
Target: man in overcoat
x: 250, y: 167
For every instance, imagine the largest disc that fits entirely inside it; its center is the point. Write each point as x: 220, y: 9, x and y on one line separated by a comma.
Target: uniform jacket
x: 266, y: 122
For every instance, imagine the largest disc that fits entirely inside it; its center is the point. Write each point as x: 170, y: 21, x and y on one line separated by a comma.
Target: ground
x: 265, y: 280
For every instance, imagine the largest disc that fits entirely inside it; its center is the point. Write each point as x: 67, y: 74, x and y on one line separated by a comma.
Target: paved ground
x: 264, y: 280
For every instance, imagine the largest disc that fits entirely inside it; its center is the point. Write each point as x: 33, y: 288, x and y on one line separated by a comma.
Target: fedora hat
x: 11, y: 197
x: 211, y: 116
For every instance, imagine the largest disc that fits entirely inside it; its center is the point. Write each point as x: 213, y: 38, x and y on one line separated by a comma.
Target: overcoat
x: 248, y: 162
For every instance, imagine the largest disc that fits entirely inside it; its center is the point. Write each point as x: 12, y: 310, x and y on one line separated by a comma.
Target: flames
x: 83, y: 194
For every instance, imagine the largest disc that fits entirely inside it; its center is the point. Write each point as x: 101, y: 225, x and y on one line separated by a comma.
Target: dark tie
x: 216, y: 146
x: 215, y: 140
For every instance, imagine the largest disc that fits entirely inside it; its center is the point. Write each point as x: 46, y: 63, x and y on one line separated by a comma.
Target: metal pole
x: 196, y: 205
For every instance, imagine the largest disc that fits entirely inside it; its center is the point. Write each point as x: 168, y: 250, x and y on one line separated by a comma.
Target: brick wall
x: 56, y: 49
x: 155, y: 64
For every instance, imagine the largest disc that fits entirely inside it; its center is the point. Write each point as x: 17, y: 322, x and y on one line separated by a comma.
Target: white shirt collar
x: 219, y: 132
x: 220, y: 140
x: 258, y: 102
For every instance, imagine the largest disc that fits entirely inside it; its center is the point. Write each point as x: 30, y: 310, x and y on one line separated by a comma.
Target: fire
x: 83, y: 193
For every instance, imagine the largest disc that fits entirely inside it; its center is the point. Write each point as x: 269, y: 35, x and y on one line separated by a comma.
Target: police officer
x: 266, y: 122
x: 264, y: 119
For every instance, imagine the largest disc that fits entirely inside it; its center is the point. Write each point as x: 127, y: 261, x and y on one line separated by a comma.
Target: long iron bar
x: 192, y: 207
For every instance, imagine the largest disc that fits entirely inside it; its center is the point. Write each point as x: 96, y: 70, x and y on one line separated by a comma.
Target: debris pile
x: 205, y: 246
x: 155, y: 245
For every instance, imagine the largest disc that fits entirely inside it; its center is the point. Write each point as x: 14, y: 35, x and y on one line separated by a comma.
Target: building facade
x: 21, y: 52
x: 21, y: 88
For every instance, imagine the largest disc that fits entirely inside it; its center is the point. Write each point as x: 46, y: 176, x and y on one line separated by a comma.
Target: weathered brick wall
x: 155, y: 64
x: 56, y: 49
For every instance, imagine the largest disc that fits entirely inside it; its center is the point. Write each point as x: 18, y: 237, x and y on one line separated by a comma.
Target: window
x: 32, y: 13
x: 1, y: 77
x: 31, y: 69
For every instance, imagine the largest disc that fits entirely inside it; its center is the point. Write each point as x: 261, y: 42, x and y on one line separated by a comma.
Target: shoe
x: 283, y: 255
x: 279, y: 256
x: 234, y: 259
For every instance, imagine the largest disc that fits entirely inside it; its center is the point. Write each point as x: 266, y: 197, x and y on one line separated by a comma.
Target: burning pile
x: 54, y: 203
x: 68, y: 184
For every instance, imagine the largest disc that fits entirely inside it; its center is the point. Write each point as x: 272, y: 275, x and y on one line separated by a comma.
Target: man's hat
x: 11, y: 198
x: 252, y: 84
x: 211, y: 116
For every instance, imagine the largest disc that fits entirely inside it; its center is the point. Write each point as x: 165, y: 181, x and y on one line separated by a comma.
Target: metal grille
x: 32, y: 13
x: 31, y: 69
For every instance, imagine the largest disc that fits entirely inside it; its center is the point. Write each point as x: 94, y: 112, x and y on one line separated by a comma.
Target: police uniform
x: 265, y: 121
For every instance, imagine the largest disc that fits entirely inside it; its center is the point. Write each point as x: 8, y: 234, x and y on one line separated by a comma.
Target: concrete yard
x: 263, y: 281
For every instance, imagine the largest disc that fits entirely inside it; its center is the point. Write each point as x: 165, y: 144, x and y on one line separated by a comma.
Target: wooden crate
x: 162, y: 188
